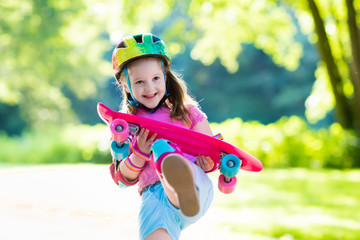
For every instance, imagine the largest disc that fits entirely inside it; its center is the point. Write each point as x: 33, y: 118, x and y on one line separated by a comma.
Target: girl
x: 174, y: 187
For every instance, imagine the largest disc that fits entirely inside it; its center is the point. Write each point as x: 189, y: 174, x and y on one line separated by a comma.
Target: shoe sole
x: 179, y: 174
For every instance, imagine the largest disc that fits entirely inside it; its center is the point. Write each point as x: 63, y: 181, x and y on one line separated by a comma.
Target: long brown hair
x: 178, y: 100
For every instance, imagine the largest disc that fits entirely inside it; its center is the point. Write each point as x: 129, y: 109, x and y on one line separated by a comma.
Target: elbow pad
x: 119, y: 178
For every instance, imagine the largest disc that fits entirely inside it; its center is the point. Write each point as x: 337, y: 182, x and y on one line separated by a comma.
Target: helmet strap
x: 131, y: 99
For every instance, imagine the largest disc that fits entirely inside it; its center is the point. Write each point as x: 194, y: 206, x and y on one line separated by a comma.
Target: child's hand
x: 144, y: 144
x: 205, y: 162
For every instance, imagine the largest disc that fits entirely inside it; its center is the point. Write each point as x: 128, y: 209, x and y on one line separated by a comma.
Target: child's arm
x: 205, y: 162
x: 127, y: 173
x: 144, y: 145
x: 203, y: 127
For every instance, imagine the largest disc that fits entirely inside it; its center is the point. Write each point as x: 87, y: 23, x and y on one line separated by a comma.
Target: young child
x: 174, y: 187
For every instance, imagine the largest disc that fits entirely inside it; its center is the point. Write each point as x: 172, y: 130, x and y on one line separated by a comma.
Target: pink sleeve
x: 196, y: 115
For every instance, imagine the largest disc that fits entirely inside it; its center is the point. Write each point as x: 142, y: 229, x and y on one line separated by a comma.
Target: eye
x: 139, y: 82
x: 157, y: 78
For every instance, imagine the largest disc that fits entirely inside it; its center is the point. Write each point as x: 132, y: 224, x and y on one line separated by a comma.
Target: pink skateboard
x: 227, y: 158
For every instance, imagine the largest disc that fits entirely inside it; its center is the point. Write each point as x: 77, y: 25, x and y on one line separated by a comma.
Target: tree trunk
x: 343, y: 110
x: 355, y: 61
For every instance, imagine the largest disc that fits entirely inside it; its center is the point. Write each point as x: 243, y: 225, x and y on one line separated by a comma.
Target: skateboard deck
x: 190, y: 142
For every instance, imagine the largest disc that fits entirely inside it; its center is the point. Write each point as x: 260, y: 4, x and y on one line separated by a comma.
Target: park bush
x: 70, y: 144
x: 289, y: 142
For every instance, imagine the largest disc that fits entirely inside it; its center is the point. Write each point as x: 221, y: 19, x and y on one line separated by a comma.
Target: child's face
x: 147, y: 81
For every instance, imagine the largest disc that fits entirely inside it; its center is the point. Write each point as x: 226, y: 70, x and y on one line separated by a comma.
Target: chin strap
x: 133, y: 101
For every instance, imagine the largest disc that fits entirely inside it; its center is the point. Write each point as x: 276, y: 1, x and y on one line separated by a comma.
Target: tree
x: 338, y: 42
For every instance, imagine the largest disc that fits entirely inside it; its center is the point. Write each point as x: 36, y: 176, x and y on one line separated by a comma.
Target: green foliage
x: 71, y: 144
x: 290, y: 142
x: 45, y: 47
x: 228, y: 24
x: 219, y: 28
x: 260, y: 90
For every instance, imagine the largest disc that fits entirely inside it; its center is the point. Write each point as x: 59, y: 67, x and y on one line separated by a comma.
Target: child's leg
x: 177, y: 176
x: 159, y: 234
x: 178, y: 179
x: 160, y: 216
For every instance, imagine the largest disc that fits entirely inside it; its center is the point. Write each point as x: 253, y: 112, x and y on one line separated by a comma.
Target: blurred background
x: 278, y: 78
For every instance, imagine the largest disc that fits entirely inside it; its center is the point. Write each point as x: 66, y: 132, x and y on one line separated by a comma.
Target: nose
x: 149, y: 86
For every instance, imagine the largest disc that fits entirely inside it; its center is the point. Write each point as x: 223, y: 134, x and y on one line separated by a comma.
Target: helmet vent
x: 155, y: 39
x: 121, y: 45
x: 138, y: 38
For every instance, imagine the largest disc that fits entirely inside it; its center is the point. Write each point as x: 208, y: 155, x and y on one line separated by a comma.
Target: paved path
x: 79, y: 202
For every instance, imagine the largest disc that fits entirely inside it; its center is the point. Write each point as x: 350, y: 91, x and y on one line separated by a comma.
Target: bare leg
x: 178, y: 180
x: 159, y: 234
x: 170, y: 193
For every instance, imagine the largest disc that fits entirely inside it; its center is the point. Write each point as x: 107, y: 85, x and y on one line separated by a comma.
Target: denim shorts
x: 157, y: 211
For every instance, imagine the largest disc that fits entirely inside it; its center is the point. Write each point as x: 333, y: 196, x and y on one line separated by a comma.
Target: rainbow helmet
x: 137, y: 46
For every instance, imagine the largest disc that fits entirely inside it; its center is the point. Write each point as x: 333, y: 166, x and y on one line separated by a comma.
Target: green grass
x: 294, y: 204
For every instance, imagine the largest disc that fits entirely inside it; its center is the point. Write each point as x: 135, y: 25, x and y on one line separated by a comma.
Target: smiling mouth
x: 150, y: 96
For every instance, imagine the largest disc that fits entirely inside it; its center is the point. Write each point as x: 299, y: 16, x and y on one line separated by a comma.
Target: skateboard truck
x: 123, y: 134
x: 134, y: 129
